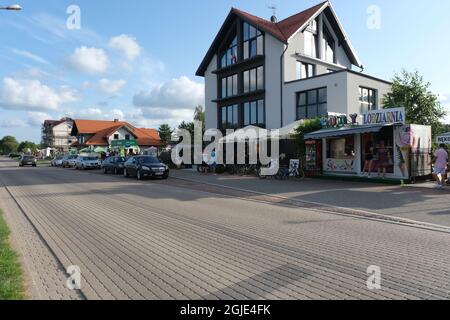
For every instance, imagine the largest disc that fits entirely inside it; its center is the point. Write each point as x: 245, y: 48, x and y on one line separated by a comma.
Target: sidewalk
x: 421, y: 202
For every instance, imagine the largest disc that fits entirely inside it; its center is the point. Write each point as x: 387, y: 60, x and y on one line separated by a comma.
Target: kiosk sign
x: 384, y: 116
x: 445, y: 139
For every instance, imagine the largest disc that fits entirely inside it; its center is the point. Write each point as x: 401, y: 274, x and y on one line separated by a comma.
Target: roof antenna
x: 273, y: 18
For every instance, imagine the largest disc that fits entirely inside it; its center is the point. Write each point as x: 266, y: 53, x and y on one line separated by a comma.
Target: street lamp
x: 13, y: 7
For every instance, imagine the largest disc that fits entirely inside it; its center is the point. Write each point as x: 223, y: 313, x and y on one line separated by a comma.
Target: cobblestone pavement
x: 154, y: 240
x: 413, y: 203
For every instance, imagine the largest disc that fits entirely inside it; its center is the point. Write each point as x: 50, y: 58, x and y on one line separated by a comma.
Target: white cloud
x: 181, y: 93
x: 13, y: 123
x: 95, y: 113
x: 126, y: 45
x: 110, y: 87
x: 36, y: 119
x: 89, y: 60
x: 30, y: 56
x: 20, y: 94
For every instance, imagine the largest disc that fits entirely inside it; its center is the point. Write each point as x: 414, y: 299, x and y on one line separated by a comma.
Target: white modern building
x: 271, y: 74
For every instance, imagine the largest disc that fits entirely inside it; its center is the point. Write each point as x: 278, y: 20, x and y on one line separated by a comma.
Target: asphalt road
x: 163, y: 240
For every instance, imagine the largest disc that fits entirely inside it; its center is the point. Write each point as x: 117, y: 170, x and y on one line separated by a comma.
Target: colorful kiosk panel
x: 348, y: 149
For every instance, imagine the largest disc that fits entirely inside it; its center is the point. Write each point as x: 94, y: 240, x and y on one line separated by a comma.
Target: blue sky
x: 136, y: 59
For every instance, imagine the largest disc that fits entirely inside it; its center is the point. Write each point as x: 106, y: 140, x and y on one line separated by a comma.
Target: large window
x: 311, y: 43
x: 328, y: 45
x: 312, y: 104
x: 230, y: 117
x: 230, y: 56
x: 253, y: 79
x: 254, y: 113
x: 305, y: 70
x: 253, y: 41
x: 368, y: 99
x: 229, y: 86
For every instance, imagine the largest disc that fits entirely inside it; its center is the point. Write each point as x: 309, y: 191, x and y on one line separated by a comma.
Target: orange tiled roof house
x: 94, y: 133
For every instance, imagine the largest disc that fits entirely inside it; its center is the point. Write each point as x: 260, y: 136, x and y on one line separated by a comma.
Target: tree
x: 199, y: 114
x: 308, y: 126
x: 165, y: 133
x: 8, y: 145
x: 410, y: 90
x: 189, y: 126
x: 25, y: 145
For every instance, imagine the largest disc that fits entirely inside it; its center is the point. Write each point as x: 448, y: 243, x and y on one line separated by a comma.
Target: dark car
x: 114, y: 164
x: 28, y: 161
x: 145, y: 166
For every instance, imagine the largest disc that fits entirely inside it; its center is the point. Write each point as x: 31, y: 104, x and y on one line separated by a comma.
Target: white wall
x: 122, y: 132
x: 342, y: 92
x: 61, y: 135
x: 354, y: 82
x: 210, y: 95
x: 336, y: 84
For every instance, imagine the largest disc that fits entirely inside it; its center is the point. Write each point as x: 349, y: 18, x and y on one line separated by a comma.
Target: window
x: 253, y: 41
x: 305, y: 70
x: 253, y: 79
x: 328, y: 45
x: 127, y: 137
x: 368, y: 99
x: 230, y: 56
x: 230, y: 117
x: 229, y: 86
x: 341, y: 148
x: 312, y: 104
x: 116, y: 137
x: 254, y: 113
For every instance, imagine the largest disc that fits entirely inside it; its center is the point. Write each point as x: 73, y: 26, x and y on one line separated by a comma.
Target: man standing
x: 440, y: 165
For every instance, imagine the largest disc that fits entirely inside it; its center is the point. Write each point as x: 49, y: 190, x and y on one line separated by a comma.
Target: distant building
x: 115, y: 134
x: 56, y: 134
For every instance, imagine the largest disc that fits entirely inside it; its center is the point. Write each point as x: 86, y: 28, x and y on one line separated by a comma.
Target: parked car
x: 114, y: 164
x: 15, y: 155
x: 87, y: 162
x: 145, y: 166
x: 57, y: 161
x: 69, y: 161
x: 27, y: 161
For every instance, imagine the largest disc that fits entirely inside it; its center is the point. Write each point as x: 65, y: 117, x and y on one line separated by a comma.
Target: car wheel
x: 138, y: 175
x: 165, y: 177
x: 105, y: 171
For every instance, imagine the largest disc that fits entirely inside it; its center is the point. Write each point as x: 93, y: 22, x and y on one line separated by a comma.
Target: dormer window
x: 253, y: 41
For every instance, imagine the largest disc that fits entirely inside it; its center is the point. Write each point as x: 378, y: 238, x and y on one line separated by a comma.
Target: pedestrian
x: 440, y: 165
x: 368, y: 158
x: 383, y: 159
x: 213, y: 162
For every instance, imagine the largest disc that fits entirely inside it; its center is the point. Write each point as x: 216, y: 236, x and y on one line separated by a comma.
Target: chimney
x: 116, y: 120
x: 273, y: 19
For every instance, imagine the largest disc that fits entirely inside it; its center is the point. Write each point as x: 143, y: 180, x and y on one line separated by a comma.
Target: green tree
x: 25, y: 145
x: 199, y: 114
x: 189, y: 126
x: 410, y: 90
x: 8, y: 145
x: 165, y: 133
x: 308, y: 126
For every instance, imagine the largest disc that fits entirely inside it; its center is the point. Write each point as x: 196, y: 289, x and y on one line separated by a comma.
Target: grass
x: 11, y: 281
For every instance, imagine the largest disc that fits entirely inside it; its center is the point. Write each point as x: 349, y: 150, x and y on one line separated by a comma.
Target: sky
x: 136, y: 60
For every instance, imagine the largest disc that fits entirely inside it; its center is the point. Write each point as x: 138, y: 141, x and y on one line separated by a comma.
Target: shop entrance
x: 377, y: 151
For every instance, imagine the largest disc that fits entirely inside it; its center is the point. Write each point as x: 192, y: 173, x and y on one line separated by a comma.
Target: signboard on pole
x: 443, y: 139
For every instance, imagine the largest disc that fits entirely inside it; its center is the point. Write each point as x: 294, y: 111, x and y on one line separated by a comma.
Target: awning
x: 344, y: 131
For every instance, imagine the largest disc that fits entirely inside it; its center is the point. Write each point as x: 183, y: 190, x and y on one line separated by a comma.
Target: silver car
x: 87, y: 162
